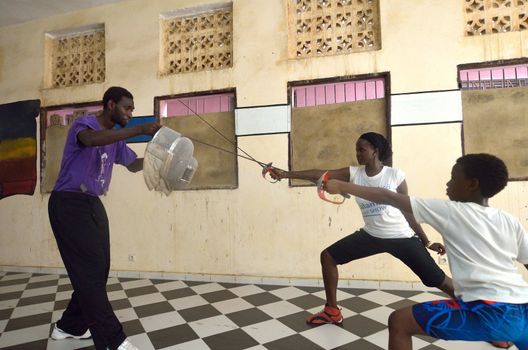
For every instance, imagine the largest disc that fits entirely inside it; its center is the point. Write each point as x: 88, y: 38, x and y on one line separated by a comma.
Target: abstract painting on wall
x: 18, y: 147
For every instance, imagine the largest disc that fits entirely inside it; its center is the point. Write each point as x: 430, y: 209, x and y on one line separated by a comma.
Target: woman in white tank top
x: 386, y: 229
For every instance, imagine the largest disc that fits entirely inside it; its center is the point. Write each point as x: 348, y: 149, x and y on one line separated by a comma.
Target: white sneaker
x: 127, y: 345
x: 59, y: 334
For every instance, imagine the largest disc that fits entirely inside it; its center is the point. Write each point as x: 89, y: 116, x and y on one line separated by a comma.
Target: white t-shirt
x: 482, y: 245
x: 382, y: 221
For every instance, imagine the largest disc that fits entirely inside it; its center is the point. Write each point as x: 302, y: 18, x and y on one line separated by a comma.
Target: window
x: 328, y: 117
x: 493, y: 77
x: 332, y: 27
x: 76, y: 56
x: 494, y: 105
x: 183, y: 106
x: 495, y: 16
x: 350, y: 91
x: 197, y: 39
x: 209, y: 121
x: 55, y: 124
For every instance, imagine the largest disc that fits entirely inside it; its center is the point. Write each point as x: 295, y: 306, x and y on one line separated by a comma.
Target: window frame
x: 157, y: 114
x: 341, y: 79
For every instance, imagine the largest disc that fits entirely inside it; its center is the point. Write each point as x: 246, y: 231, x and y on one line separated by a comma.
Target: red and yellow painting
x: 18, y: 147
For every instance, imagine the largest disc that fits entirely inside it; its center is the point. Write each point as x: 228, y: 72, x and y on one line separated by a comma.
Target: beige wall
x: 259, y: 229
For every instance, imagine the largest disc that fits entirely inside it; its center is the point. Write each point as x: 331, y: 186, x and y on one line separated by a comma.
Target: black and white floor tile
x: 173, y: 315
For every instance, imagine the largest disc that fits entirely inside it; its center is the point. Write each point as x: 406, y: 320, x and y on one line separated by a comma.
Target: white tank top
x: 382, y: 221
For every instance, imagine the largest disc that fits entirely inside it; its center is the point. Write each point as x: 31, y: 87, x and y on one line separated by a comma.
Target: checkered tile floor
x: 164, y: 314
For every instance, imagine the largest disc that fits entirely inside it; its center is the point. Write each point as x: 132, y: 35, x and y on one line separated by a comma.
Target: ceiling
x: 18, y: 11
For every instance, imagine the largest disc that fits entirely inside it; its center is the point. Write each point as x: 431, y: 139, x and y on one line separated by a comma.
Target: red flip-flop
x: 328, y: 315
x: 501, y: 344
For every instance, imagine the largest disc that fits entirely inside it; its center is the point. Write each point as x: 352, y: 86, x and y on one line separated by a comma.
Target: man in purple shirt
x: 79, y: 220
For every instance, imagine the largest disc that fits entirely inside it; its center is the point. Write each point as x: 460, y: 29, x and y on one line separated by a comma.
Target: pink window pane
x: 360, y: 91
x: 330, y: 94
x: 320, y: 95
x: 485, y: 74
x: 225, y: 103
x: 211, y: 105
x: 313, y: 95
x: 340, y: 93
x: 495, y: 77
x: 469, y: 75
x: 350, y: 92
x: 509, y: 73
x: 473, y: 75
x: 199, y: 104
x: 176, y: 109
x: 300, y: 97
x: 66, y: 113
x: 380, y: 89
x: 497, y: 74
x: 370, y: 90
x: 310, y: 96
x: 522, y: 72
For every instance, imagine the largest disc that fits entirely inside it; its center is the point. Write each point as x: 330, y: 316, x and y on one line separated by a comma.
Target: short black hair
x: 489, y: 170
x: 115, y: 93
x: 380, y: 142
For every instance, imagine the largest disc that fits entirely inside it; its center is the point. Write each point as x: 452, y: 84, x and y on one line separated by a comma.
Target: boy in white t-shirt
x: 482, y: 244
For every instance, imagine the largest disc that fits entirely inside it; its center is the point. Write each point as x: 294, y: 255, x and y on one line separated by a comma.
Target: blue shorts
x: 454, y: 319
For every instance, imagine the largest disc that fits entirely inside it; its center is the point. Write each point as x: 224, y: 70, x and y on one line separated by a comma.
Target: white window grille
x: 77, y: 56
x: 197, y: 39
x: 495, y: 16
x: 332, y: 27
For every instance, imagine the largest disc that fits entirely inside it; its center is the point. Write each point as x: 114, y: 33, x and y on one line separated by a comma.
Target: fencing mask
x: 169, y: 163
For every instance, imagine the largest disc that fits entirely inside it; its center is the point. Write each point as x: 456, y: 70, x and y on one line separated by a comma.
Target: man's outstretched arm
x: 91, y: 138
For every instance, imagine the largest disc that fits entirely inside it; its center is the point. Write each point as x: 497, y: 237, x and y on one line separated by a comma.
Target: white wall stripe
x: 426, y: 108
x: 262, y: 120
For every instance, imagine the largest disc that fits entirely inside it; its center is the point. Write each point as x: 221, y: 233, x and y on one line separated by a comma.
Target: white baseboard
x: 281, y: 281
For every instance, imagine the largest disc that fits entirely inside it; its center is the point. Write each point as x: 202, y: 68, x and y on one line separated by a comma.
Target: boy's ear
x: 474, y: 185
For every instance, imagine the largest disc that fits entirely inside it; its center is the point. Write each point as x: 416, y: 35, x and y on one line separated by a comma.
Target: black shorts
x: 410, y: 251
